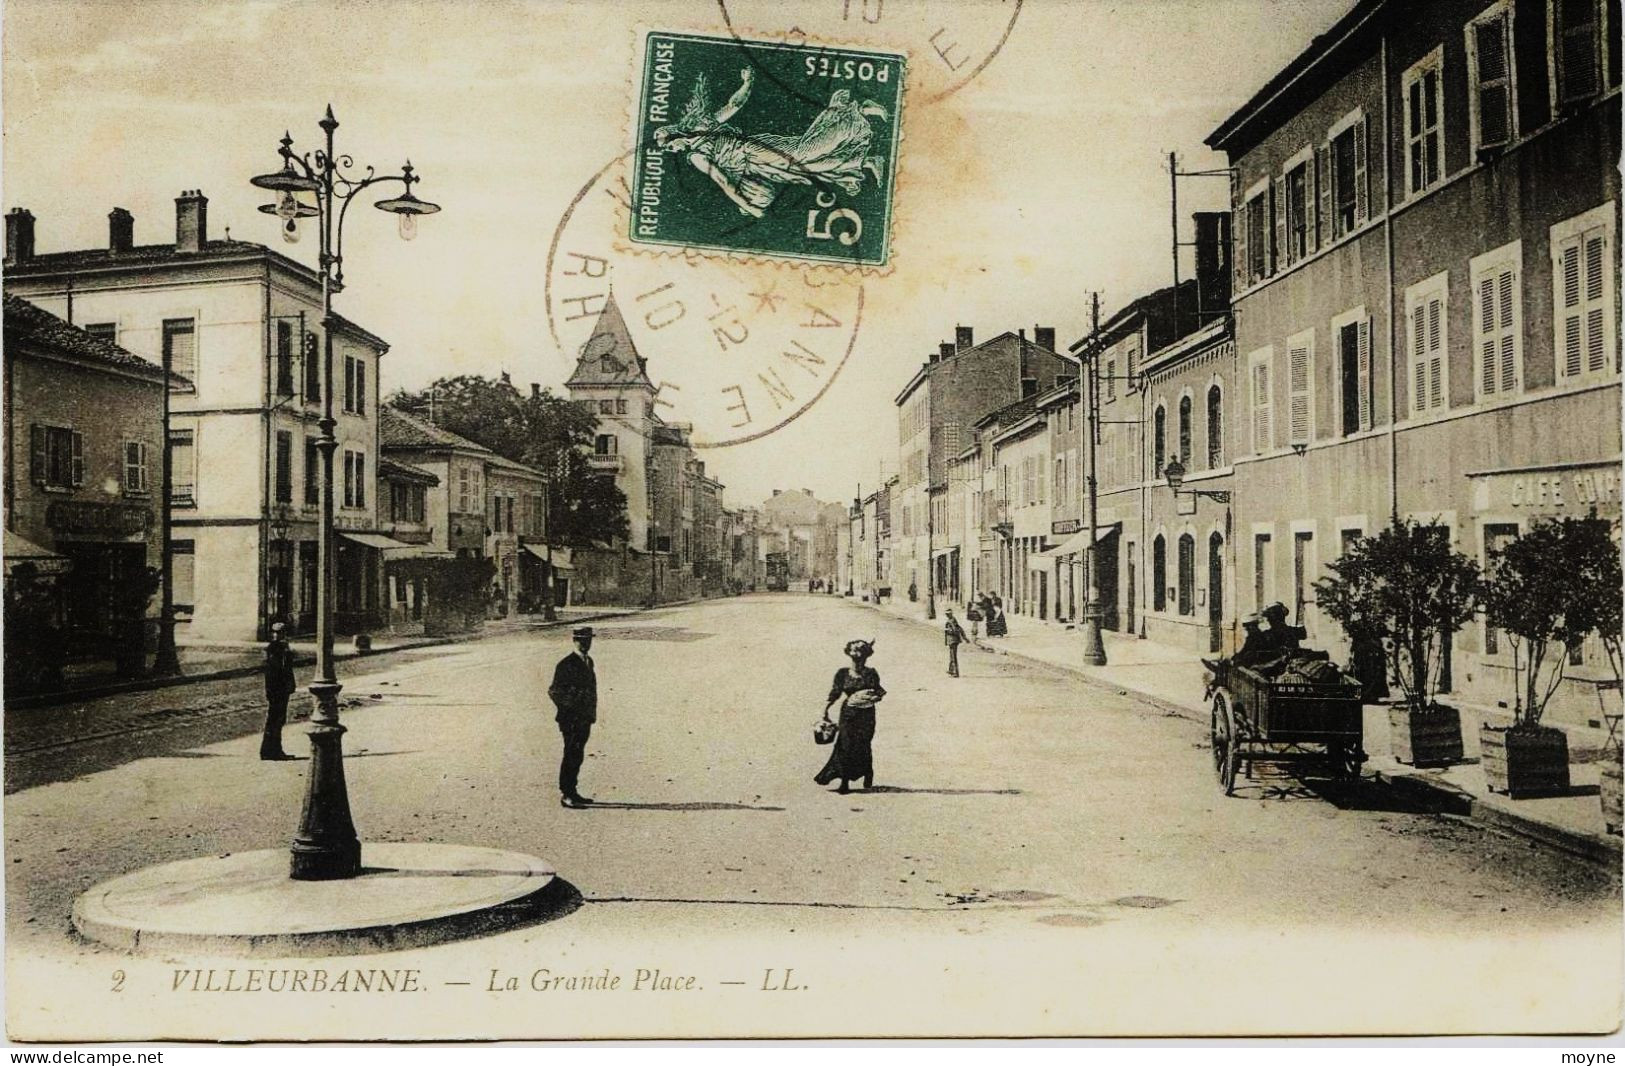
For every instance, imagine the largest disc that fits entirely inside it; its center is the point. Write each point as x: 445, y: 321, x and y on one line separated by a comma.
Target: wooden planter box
x: 1611, y: 773
x: 1525, y: 762
x: 1432, y: 739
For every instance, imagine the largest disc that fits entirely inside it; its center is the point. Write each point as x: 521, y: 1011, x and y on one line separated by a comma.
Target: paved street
x: 1010, y: 804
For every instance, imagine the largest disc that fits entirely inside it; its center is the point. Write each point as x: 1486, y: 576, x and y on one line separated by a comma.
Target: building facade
x: 1426, y: 217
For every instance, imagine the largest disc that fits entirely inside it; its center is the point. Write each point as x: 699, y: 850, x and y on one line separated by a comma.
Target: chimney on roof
x: 777, y: 491
x: 535, y: 390
x: 120, y: 231
x: 19, y: 236
x: 191, y: 221
x: 962, y: 338
x: 945, y: 349
x: 1044, y: 337
x: 1213, y: 261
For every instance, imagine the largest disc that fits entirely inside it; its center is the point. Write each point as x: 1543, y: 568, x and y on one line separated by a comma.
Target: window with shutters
x: 355, y: 385
x: 1576, y: 41
x: 313, y: 473
x: 1492, y: 98
x: 355, y: 478
x: 1258, y: 236
x: 1187, y: 574
x: 1259, y: 384
x: 1185, y: 431
x: 1582, y: 281
x: 1059, y: 494
x: 1497, y: 536
x: 1159, y: 440
x: 1348, y: 193
x: 1300, y: 387
x: 1111, y: 380
x: 136, y: 468
x: 284, y: 466
x: 1497, y: 310
x: 1422, y: 89
x: 182, y: 468
x: 1427, y: 364
x: 312, y: 356
x: 1263, y: 565
x: 1159, y: 574
x: 183, y: 573
x: 1299, y: 215
x: 1351, y: 339
x: 180, y: 351
x: 1215, y: 427
x: 284, y: 358
x: 58, y: 457
x: 106, y: 331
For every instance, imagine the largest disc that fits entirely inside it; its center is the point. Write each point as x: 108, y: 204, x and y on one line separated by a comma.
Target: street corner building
x: 237, y: 326
x: 84, y: 433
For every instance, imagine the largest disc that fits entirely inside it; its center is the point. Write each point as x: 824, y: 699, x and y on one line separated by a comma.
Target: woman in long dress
x: 857, y: 687
x: 750, y: 168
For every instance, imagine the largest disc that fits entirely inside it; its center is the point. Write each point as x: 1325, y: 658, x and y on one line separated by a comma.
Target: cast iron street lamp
x: 326, y: 847
x: 1175, y: 473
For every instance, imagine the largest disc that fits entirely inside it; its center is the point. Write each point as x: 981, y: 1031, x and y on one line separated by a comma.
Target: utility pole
x: 1094, y: 649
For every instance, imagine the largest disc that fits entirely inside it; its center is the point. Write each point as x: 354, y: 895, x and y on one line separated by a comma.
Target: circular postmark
x: 949, y: 44
x: 733, y: 349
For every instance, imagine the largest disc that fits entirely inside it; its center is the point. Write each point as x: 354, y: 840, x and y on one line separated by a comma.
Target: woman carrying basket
x: 857, y: 687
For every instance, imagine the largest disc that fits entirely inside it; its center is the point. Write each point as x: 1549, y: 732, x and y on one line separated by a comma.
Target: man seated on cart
x: 1281, y: 637
x: 1255, y: 646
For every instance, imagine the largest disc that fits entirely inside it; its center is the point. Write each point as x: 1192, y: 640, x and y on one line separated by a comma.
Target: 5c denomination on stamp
x: 766, y: 149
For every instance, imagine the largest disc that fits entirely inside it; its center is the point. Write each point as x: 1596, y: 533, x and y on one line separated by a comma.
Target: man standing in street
x: 575, y: 693
x: 279, y: 685
x: 953, y: 635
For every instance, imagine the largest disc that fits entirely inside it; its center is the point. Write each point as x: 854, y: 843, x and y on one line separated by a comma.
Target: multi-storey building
x: 84, y: 433
x: 611, y: 379
x: 239, y: 323
x: 1427, y: 215
x: 958, y: 385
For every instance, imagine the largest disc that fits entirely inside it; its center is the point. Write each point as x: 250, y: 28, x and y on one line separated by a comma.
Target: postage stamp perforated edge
x: 621, y: 240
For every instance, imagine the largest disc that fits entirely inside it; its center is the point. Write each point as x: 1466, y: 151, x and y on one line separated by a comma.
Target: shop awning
x: 561, y: 556
x: 1078, y: 542
x: 19, y: 550
x: 397, y: 549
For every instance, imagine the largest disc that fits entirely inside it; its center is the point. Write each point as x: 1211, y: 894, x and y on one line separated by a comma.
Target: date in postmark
x: 766, y: 149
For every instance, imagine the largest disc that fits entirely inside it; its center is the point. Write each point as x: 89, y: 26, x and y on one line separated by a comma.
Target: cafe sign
x: 1577, y: 490
x: 81, y: 518
x: 1065, y: 527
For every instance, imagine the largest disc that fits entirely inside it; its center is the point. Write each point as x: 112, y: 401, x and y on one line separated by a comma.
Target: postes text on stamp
x: 766, y: 149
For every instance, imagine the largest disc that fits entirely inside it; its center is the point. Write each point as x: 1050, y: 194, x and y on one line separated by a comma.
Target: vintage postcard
x: 821, y: 519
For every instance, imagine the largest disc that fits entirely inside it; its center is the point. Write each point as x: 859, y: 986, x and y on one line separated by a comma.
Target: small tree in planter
x: 1546, y: 592
x: 1597, y: 569
x: 1409, y: 587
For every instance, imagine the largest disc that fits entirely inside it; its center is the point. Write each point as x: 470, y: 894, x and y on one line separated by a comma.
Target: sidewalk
x: 221, y: 660
x: 1173, y: 679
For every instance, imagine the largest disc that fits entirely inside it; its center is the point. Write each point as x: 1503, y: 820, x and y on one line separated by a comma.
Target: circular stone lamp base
x: 245, y: 904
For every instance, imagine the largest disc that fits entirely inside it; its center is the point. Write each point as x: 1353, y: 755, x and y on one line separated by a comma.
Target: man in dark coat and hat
x: 574, y: 692
x: 279, y: 685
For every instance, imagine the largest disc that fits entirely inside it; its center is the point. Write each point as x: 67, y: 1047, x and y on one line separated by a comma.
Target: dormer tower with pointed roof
x: 613, y: 379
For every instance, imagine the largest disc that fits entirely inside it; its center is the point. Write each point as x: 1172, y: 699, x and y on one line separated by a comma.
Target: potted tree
x: 1407, y: 588
x: 1544, y: 593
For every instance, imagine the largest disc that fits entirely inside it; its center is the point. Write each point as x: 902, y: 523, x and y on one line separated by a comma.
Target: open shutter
x: 1419, y: 354
x: 1239, y: 230
x: 1435, y: 347
x: 1567, y: 278
x: 1323, y: 179
x: 1362, y: 191
x: 1506, y: 285
x: 1278, y: 258
x: 1298, y: 395
x: 36, y: 452
x: 1261, y: 408
x: 1486, y: 334
x: 1364, y: 379
x: 360, y: 387
x: 1595, y: 264
x: 78, y: 460
x: 1492, y: 59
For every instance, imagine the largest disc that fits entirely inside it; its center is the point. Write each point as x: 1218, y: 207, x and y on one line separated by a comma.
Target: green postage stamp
x: 766, y: 149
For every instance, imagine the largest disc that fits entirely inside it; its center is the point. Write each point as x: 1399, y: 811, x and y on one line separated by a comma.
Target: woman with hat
x: 858, y: 689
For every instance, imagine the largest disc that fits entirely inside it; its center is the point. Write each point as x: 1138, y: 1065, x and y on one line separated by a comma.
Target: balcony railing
x: 604, y: 464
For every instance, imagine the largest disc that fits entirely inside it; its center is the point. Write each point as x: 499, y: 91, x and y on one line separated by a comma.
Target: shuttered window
x: 313, y: 473
x: 1215, y: 427
x: 1185, y: 432
x: 1492, y: 90
x: 1576, y: 43
x: 1352, y: 336
x: 1349, y: 194
x: 284, y: 358
x: 1426, y: 364
x: 1187, y: 574
x: 180, y: 350
x: 1300, y: 388
x: 284, y: 466
x: 57, y: 457
x: 1159, y: 574
x: 1582, y: 263
x: 1299, y: 214
x: 136, y: 479
x: 182, y: 468
x: 1263, y: 429
x: 1159, y: 441
x: 1497, y: 321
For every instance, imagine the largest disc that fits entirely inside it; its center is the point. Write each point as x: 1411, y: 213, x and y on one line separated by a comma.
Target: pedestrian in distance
x: 973, y: 615
x: 953, y: 635
x: 279, y: 685
x: 857, y: 688
x: 996, y: 624
x: 574, y: 692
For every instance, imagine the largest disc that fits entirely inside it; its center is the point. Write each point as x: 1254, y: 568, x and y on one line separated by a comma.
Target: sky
x: 1041, y: 179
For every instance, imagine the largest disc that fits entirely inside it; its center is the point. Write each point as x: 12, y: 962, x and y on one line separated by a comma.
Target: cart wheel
x: 1226, y: 754
x: 1346, y: 762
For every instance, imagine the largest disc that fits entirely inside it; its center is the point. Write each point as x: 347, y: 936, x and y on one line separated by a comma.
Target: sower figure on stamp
x: 953, y: 635
x: 575, y: 693
x: 279, y: 685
